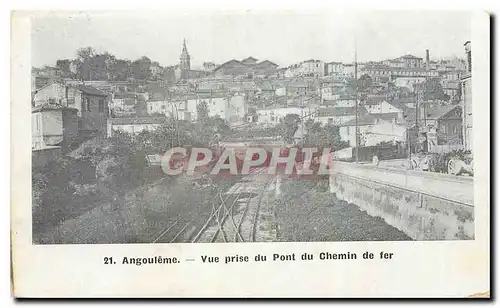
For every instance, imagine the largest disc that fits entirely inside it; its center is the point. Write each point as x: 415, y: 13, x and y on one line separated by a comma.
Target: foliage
x: 432, y: 90
x: 140, y: 68
x: 90, y: 65
x: 364, y: 83
x: 289, y: 126
x: 441, y: 160
x: 202, y: 110
x: 323, y: 136
x: 398, y: 92
x: 64, y: 67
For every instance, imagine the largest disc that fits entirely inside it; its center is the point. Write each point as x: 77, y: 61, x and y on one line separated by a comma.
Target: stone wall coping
x: 424, y: 174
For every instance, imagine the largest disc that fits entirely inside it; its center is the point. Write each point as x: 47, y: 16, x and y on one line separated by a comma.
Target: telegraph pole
x: 302, y: 115
x: 356, y: 143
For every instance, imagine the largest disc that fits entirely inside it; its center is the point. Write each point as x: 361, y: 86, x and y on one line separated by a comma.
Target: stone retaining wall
x: 423, y: 205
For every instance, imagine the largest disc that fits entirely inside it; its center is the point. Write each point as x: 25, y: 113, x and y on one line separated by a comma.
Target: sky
x: 283, y: 37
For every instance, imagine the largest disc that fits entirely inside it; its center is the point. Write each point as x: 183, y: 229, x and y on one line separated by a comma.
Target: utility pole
x: 356, y: 91
x: 302, y: 116
x: 417, y: 108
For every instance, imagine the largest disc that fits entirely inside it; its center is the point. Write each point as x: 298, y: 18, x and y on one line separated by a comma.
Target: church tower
x: 185, y: 62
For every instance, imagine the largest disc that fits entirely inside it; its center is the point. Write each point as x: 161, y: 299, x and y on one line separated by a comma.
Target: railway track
x: 237, y: 235
x: 174, y: 231
x: 223, y: 213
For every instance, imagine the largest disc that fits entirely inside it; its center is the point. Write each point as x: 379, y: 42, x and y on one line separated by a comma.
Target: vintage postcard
x: 250, y: 153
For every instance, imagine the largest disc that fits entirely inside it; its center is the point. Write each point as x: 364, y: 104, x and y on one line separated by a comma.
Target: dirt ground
x: 135, y: 218
x: 306, y: 211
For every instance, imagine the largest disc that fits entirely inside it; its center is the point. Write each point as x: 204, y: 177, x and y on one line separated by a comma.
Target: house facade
x: 411, y: 61
x: 408, y: 82
x: 335, y: 68
x: 381, y: 106
x: 133, y: 126
x: 272, y: 116
x: 373, y: 129
x: 228, y: 107
x: 91, y: 104
x: 53, y: 125
x: 446, y: 121
x: 335, y: 115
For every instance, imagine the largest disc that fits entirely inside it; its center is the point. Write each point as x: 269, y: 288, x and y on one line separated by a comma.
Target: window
x: 101, y: 105
x: 37, y: 121
x: 88, y: 103
x: 443, y: 128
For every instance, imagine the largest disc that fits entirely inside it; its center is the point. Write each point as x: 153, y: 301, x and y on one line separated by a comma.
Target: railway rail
x: 223, y: 213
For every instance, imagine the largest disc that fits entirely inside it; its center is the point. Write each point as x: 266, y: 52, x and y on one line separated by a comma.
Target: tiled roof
x: 249, y: 58
x: 90, y: 90
x: 374, y: 100
x: 371, y: 118
x: 439, y: 111
x: 267, y: 62
x: 385, y: 116
x: 243, y: 63
x: 404, y: 100
x: 410, y: 57
x: 336, y: 111
x: 346, y: 97
x: 142, y: 120
x: 50, y: 106
x: 401, y: 104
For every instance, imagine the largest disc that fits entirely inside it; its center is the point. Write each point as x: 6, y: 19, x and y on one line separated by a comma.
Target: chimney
x: 427, y: 59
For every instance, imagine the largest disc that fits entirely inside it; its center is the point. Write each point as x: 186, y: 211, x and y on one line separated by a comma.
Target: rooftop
x: 373, y: 118
x: 51, y: 106
x: 90, y: 90
x: 409, y: 57
x: 375, y: 99
x: 438, y: 112
x: 336, y: 111
x: 142, y: 120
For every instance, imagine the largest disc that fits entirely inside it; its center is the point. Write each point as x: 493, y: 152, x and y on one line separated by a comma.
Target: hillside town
x: 422, y: 103
x: 101, y: 127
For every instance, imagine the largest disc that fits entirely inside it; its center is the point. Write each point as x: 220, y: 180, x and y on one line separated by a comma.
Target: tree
x: 85, y: 53
x: 327, y: 136
x: 202, y: 111
x: 364, y: 83
x: 140, y: 68
x: 289, y: 126
x: 122, y: 70
x: 64, y: 67
x: 84, y: 62
x: 432, y: 90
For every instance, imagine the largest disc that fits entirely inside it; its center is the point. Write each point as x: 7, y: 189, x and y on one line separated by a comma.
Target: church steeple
x: 185, y: 59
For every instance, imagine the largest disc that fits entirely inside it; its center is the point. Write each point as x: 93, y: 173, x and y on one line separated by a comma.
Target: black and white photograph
x: 250, y: 151
x: 251, y: 127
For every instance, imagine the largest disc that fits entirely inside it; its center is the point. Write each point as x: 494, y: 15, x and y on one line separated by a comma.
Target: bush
x: 439, y: 162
